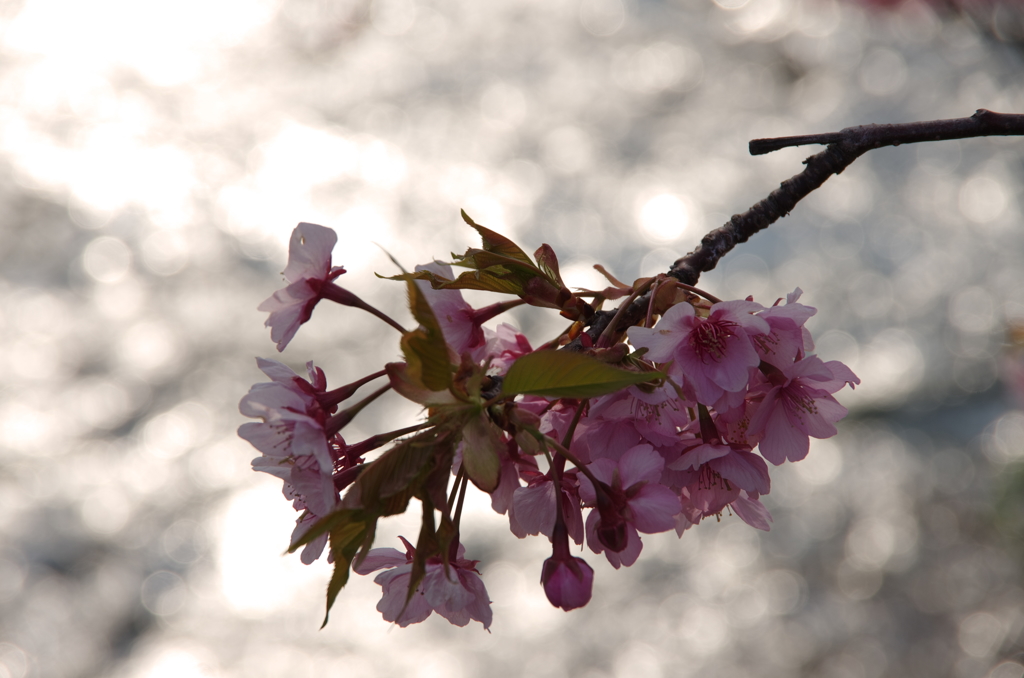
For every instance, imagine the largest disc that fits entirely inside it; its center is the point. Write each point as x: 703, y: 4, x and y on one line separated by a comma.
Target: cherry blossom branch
x: 843, y: 148
x: 983, y: 123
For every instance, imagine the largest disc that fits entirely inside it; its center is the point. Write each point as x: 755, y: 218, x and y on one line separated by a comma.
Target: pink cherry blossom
x: 712, y: 355
x: 729, y: 473
x: 752, y: 511
x: 308, y: 273
x: 799, y: 406
x: 452, y: 312
x: 533, y: 507
x: 788, y: 339
x: 458, y: 596
x: 631, y: 500
x: 291, y: 435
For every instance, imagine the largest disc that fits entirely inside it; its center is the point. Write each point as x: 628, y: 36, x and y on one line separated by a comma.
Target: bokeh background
x: 155, y: 156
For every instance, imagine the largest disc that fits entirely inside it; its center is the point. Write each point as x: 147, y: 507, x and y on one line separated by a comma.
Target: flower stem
x: 346, y: 298
x: 342, y: 419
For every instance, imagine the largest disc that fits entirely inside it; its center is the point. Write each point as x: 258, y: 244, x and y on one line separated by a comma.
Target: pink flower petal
x: 654, y: 508
x: 309, y: 252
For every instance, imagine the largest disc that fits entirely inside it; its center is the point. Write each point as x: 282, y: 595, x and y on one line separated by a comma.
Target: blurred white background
x: 155, y: 156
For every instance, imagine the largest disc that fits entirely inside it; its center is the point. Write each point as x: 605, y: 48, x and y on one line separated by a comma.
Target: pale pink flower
x: 731, y: 473
x: 713, y: 355
x: 503, y: 346
x: 788, y: 339
x: 309, y: 274
x: 656, y: 416
x: 751, y: 511
x: 292, y: 433
x: 459, y: 596
x: 462, y: 325
x: 799, y: 406
x: 630, y: 500
x: 453, y: 314
x: 533, y: 507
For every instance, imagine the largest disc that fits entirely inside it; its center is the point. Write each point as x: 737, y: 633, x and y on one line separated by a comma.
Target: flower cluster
x: 652, y: 426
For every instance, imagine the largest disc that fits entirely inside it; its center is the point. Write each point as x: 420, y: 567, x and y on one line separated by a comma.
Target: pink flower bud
x: 568, y: 582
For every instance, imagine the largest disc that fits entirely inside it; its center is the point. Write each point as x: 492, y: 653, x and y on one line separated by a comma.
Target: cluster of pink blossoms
x: 715, y: 390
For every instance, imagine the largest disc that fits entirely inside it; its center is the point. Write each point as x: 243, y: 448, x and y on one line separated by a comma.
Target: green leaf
x: 345, y: 541
x: 561, y: 374
x: 548, y: 262
x: 497, y: 243
x: 424, y: 348
x: 480, y: 452
x: 404, y: 385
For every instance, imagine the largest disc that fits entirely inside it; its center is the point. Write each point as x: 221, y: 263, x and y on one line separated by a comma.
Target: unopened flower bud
x: 568, y: 582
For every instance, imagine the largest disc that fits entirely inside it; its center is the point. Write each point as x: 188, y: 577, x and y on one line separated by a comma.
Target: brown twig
x: 982, y: 124
x: 843, y: 148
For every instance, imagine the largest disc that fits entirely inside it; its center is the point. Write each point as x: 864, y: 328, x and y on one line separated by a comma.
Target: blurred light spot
x: 26, y: 429
x: 939, y: 159
x: 857, y: 583
x: 503, y: 105
x: 163, y: 593
x: 486, y: 210
x: 12, y: 577
x: 102, y: 403
x: 746, y: 605
x: 106, y: 511
x: 981, y: 634
x: 87, y: 216
x: 737, y: 545
x: 165, y: 252
x: 176, y: 431
x: 973, y: 310
x: 637, y: 659
x: 822, y: 465
x: 782, y: 589
x: 37, y: 358
x: 656, y: 261
x: 1007, y: 670
x: 817, y: 95
x: 745, y: 275
x: 216, y: 466
x: 731, y: 4
x: 870, y: 295
x: 300, y: 156
x: 14, y: 660
x: 359, y: 228
x: 703, y: 630
x: 393, y: 17
x: 870, y: 544
x: 179, y: 542
x: 121, y: 300
x: 151, y: 348
x: 658, y: 67
x: 179, y: 663
x: 583, y: 275
x: 891, y: 366
x: 664, y: 217
x: 568, y: 150
x: 882, y: 72
x: 982, y: 200
x: 1004, y: 440
x: 841, y: 240
x: 602, y: 17
x: 519, y: 602
x: 838, y: 345
x: 381, y: 164
x: 255, y: 578
x: 755, y: 16
x: 106, y: 259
